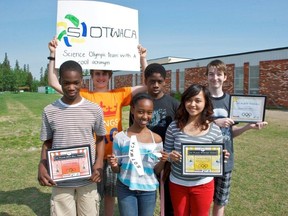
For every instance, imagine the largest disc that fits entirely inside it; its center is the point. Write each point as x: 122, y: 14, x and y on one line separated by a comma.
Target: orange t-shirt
x: 111, y: 103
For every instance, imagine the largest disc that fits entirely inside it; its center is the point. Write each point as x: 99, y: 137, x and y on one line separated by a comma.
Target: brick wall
x: 246, y: 77
x: 273, y: 78
x: 167, y: 87
x: 198, y: 75
x: 123, y: 80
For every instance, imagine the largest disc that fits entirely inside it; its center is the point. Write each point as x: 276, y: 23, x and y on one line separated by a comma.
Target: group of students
x: 158, y: 123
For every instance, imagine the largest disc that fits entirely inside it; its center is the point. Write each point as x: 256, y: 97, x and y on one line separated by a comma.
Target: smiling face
x: 100, y: 79
x: 216, y: 77
x: 71, y: 83
x: 195, y: 104
x: 142, y: 112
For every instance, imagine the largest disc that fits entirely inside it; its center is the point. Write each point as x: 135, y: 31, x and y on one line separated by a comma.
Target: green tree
x: 29, y: 80
x: 35, y: 85
x: 6, y: 76
x: 45, y: 78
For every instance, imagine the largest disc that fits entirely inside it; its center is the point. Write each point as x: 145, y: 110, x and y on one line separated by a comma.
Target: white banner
x: 98, y: 35
x: 135, y: 156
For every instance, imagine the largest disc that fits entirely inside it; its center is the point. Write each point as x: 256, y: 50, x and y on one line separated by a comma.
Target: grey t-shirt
x: 221, y: 110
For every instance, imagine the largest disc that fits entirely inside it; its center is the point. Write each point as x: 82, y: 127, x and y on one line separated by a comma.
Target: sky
x: 182, y: 28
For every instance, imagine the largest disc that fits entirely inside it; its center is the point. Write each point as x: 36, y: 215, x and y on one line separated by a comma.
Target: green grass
x: 260, y: 177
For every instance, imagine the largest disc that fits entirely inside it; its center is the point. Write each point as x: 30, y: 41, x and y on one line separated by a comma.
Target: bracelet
x: 51, y: 58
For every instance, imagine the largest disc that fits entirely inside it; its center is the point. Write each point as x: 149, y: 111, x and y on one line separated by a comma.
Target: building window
x: 239, y: 80
x: 138, y: 80
x: 173, y: 82
x: 254, y: 80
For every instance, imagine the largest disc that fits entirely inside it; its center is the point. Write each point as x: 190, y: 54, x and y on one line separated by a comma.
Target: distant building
x: 262, y: 72
x: 46, y: 90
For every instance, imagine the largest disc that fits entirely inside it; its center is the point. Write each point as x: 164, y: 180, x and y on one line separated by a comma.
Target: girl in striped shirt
x: 191, y: 195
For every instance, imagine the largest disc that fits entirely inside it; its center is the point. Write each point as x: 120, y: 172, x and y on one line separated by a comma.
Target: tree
x: 45, y: 78
x: 35, y: 85
x: 6, y: 63
x: 17, y: 67
x: 29, y: 80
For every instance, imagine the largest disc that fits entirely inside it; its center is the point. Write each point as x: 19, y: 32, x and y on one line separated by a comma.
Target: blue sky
x: 183, y: 28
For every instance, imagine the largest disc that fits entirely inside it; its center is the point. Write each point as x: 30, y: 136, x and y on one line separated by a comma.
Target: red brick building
x: 263, y: 72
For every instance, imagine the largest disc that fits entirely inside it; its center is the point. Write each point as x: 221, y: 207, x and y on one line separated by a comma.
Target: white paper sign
x: 98, y: 35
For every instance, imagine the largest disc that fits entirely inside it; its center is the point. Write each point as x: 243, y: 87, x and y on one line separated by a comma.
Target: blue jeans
x: 135, y: 203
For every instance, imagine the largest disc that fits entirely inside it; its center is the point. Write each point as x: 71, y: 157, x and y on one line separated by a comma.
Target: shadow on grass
x: 32, y: 197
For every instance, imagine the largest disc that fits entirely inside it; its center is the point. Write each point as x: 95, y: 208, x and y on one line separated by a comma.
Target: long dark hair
x: 182, y: 115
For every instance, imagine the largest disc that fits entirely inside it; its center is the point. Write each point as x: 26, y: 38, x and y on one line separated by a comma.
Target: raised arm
x: 52, y: 71
x: 143, y: 61
x: 143, y: 58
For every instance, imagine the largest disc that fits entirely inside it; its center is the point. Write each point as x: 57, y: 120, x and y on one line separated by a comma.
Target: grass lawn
x: 260, y: 176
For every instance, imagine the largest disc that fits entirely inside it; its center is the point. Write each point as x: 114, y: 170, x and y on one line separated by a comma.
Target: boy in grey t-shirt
x: 72, y: 121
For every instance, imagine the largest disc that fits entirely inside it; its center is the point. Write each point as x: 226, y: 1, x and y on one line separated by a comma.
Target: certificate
x: 69, y: 163
x: 247, y: 108
x: 202, y: 159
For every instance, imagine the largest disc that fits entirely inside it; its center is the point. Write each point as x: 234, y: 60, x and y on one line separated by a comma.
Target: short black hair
x: 140, y: 96
x: 154, y: 68
x: 70, y: 66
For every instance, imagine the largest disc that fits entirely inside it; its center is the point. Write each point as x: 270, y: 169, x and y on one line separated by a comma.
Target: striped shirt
x: 173, y: 141
x: 72, y: 125
x: 128, y: 174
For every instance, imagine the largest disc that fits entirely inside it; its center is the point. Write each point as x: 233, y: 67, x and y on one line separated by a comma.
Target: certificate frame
x: 66, y: 164
x: 247, y: 108
x: 203, y: 159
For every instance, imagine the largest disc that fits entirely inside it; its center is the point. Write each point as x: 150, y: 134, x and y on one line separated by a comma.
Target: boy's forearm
x: 237, y: 131
x: 143, y: 62
x: 53, y: 75
x: 46, y: 145
x: 100, y: 149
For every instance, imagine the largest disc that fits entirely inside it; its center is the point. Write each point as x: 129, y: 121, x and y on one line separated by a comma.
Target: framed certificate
x: 247, y: 108
x: 69, y: 163
x: 202, y: 159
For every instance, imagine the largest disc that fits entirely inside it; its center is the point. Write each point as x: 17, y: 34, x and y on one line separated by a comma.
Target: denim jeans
x: 135, y: 203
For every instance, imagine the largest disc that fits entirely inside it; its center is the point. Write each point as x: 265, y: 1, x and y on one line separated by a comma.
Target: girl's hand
x: 175, y: 156
x: 226, y: 155
x: 164, y: 157
x: 112, y: 160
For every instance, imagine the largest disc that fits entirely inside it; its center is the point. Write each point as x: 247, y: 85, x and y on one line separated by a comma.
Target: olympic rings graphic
x: 70, y: 170
x: 203, y: 166
x: 246, y: 114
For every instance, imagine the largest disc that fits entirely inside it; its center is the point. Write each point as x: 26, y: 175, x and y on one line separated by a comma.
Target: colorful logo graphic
x: 107, y: 110
x: 72, y: 34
